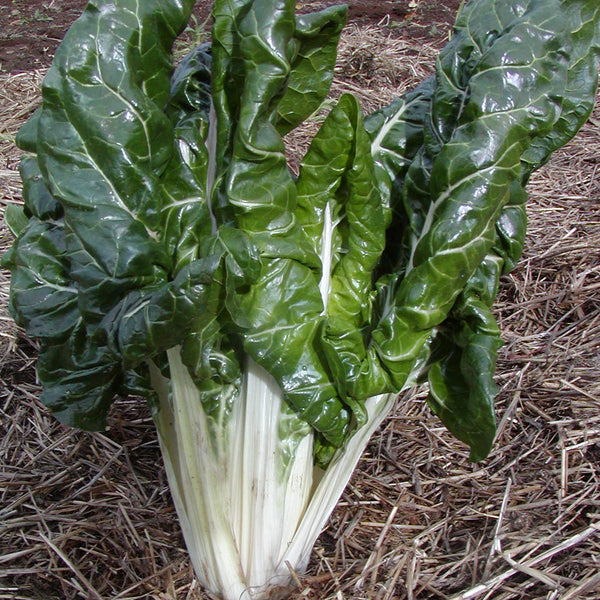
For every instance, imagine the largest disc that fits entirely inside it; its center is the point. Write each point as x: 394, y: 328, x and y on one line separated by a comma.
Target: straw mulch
x: 89, y: 515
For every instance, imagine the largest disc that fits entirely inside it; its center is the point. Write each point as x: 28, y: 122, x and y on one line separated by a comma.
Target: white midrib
x: 386, y: 128
x: 211, y: 170
x: 443, y: 197
x: 326, y: 252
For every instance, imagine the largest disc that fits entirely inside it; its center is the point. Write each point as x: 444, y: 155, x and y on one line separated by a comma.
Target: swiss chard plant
x: 166, y: 250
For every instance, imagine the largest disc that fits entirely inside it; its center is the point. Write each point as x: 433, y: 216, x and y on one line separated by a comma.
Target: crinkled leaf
x: 582, y: 80
x: 340, y: 209
x: 185, y: 213
x: 511, y: 227
x: 80, y: 378
x: 103, y: 140
x: 463, y: 362
x: 186, y: 216
x: 513, y: 85
x: 316, y: 37
x: 283, y: 308
x: 397, y: 133
x: 43, y: 298
x: 462, y: 391
x: 190, y: 83
x: 15, y: 218
x: 150, y: 321
x: 26, y: 138
x: 38, y: 200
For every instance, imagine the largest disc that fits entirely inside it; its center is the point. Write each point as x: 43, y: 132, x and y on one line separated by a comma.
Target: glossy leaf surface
x: 160, y: 213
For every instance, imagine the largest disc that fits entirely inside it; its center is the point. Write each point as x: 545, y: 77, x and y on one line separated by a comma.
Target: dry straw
x: 89, y: 515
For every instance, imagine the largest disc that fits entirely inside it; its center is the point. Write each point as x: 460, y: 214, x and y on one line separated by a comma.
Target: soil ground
x: 31, y: 30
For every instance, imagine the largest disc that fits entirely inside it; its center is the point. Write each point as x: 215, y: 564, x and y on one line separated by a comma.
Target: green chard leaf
x: 339, y: 207
x: 160, y: 213
x: 94, y: 247
x: 185, y: 213
x: 463, y: 362
x: 316, y: 38
x: 16, y: 219
x: 80, y: 378
x: 461, y: 383
x: 397, y: 133
x: 498, y: 89
x: 147, y: 322
x: 103, y: 140
x: 27, y: 136
x: 284, y: 307
x: 190, y: 85
x: 38, y: 200
x: 43, y: 298
x: 578, y: 97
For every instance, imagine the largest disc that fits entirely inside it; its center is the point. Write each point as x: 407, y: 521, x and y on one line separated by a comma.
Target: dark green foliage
x: 160, y: 211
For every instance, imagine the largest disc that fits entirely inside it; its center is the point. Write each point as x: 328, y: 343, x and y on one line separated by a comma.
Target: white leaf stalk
x: 251, y: 503
x: 246, y: 511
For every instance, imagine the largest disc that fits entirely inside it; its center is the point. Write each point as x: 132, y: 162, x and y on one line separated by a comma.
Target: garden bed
x: 89, y: 515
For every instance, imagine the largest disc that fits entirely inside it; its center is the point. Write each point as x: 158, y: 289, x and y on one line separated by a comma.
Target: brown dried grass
x: 88, y: 515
